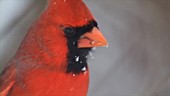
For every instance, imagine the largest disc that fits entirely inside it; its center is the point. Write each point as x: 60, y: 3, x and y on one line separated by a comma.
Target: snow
x: 94, y: 48
x: 81, y: 62
x: 54, y: 3
x: 74, y: 75
x: 77, y: 58
x: 107, y: 46
x: 84, y: 69
x: 74, y: 43
x: 91, y: 55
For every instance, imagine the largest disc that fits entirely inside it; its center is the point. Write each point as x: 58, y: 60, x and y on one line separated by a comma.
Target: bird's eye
x: 70, y: 32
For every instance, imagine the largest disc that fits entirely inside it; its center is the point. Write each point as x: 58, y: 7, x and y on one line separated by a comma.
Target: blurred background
x: 137, y: 61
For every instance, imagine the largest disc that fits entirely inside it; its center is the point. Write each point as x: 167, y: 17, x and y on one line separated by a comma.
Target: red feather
x: 39, y: 66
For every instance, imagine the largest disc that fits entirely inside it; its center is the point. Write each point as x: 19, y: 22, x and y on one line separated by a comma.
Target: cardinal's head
x: 67, y: 34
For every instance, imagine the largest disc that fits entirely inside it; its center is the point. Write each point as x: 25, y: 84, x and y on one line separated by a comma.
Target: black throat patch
x: 77, y: 57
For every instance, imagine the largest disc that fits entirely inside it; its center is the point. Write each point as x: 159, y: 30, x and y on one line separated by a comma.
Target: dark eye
x: 69, y: 31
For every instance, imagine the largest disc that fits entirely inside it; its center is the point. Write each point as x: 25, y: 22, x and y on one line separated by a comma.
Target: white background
x: 137, y: 61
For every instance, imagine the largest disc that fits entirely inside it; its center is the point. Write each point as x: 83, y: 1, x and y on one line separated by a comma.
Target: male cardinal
x: 52, y: 58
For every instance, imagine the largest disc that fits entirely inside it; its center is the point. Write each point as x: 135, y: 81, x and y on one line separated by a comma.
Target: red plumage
x: 40, y: 64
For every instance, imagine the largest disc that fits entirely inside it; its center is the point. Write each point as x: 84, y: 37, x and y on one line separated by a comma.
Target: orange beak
x: 92, y: 39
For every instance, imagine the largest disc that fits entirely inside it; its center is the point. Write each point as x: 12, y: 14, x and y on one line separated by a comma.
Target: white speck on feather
x: 71, y: 89
x: 86, y: 19
x: 64, y: 0
x: 74, y: 75
x: 83, y: 69
x: 77, y: 58
x: 85, y: 73
x: 74, y: 43
x: 54, y: 3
